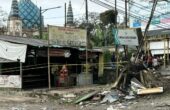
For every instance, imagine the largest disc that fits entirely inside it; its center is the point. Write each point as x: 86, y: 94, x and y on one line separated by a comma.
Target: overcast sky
x: 56, y: 16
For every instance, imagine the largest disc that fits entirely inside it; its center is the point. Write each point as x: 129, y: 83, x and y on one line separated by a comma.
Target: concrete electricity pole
x: 86, y: 8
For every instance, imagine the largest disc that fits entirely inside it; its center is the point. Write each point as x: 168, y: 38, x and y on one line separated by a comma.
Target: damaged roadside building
x: 24, y: 64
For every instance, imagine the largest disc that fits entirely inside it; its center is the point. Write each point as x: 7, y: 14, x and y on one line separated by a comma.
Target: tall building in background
x: 14, y: 26
x: 28, y: 14
x: 69, y: 16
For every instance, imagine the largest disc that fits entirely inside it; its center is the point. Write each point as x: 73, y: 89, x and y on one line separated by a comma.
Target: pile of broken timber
x: 149, y: 81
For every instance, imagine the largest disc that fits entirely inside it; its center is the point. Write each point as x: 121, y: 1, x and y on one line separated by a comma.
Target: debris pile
x: 126, y: 87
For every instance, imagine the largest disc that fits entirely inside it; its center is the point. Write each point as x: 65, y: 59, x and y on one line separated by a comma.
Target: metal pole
x: 40, y: 23
x: 65, y: 14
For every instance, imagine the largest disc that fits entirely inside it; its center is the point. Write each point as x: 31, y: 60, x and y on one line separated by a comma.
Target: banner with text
x: 67, y: 36
x: 128, y: 37
x: 10, y: 81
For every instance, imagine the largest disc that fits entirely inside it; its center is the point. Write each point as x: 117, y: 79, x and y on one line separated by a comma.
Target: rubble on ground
x: 121, y: 94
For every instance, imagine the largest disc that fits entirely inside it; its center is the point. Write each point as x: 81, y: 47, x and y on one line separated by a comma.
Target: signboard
x: 67, y: 36
x: 127, y: 37
x: 12, y: 52
x: 142, y: 9
x: 157, y: 47
x: 10, y: 81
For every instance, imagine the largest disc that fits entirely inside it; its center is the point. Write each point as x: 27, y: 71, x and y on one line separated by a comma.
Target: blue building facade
x: 30, y: 14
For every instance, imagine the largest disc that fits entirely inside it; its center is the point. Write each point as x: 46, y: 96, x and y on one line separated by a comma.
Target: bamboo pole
x: 164, y: 53
x: 21, y: 74
x: 167, y: 51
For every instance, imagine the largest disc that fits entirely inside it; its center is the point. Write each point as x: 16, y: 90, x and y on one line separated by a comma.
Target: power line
x: 62, y: 16
x: 133, y: 16
x: 159, y: 25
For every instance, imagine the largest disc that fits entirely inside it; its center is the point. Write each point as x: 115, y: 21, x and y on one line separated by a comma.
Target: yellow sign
x: 67, y: 36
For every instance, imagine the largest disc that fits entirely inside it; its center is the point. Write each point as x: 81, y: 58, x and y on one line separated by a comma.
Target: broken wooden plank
x: 142, y: 78
x: 117, y: 80
x: 85, y: 96
x: 150, y: 90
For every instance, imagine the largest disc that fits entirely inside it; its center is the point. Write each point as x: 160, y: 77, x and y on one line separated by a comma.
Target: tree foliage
x: 99, y: 33
x: 108, y: 17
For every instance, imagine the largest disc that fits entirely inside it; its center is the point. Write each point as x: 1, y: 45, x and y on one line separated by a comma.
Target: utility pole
x: 65, y: 15
x: 116, y: 13
x: 86, y: 8
x: 116, y: 46
x: 126, y: 26
x: 86, y: 11
x: 126, y: 14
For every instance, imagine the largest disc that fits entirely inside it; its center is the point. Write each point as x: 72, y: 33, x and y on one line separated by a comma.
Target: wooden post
x: 167, y: 51
x: 117, y: 60
x: 21, y: 74
x: 48, y: 55
x: 164, y: 53
x: 101, y: 65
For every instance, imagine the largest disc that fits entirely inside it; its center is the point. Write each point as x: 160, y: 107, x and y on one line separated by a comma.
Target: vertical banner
x: 116, y: 39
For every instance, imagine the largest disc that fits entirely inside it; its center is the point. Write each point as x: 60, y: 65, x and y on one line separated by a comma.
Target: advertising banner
x: 10, y: 81
x: 67, y: 36
x: 128, y: 37
x: 12, y: 52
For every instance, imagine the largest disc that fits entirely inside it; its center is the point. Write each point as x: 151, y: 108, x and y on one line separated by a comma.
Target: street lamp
x: 41, y: 12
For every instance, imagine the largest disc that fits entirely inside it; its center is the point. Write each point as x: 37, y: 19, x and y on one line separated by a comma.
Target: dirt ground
x: 29, y: 100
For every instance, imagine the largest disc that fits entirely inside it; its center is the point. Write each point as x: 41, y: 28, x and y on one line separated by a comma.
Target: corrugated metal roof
x: 25, y: 40
x: 158, y: 32
x: 37, y: 42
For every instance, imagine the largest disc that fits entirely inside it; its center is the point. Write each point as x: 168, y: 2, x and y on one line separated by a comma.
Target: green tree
x: 99, y: 34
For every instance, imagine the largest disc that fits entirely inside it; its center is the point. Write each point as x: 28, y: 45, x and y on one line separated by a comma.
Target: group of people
x: 147, y: 59
x: 143, y: 59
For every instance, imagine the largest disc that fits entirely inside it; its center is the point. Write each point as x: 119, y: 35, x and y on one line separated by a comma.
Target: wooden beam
x: 164, y: 53
x: 150, y: 91
x: 119, y: 78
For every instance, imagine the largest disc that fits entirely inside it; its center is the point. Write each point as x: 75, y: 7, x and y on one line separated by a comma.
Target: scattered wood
x: 118, y: 79
x: 150, y: 90
x: 142, y: 78
x: 85, y: 96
